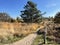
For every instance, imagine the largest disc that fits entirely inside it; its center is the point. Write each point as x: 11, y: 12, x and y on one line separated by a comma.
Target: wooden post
x: 45, y: 33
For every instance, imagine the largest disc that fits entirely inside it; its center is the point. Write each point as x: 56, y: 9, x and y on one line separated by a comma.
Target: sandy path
x: 26, y: 41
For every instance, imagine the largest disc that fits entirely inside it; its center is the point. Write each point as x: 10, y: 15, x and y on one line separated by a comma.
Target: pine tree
x: 57, y: 18
x: 31, y: 14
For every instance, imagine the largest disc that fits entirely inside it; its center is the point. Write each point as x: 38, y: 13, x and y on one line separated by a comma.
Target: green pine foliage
x: 57, y: 18
x: 31, y: 14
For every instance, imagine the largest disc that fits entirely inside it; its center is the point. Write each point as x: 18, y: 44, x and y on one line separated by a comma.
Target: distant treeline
x: 4, y: 17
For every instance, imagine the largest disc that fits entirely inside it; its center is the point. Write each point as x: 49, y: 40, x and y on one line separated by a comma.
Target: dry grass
x: 14, y: 31
x: 7, y: 29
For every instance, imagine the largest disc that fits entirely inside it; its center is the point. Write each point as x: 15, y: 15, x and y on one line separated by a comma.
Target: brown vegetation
x: 16, y: 28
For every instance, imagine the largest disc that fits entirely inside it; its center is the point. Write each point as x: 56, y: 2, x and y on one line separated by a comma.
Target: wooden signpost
x: 45, y: 33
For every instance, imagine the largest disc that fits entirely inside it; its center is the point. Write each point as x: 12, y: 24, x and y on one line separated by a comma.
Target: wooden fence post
x: 45, y: 33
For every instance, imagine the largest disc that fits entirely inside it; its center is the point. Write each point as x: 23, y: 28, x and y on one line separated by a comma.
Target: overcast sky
x: 13, y: 7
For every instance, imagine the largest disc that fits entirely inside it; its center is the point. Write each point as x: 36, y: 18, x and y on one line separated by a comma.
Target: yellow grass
x: 11, y: 28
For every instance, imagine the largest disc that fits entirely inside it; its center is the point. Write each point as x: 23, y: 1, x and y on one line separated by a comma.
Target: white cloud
x: 51, y: 5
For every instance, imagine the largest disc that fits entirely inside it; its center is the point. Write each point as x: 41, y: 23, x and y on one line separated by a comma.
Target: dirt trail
x: 26, y: 41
